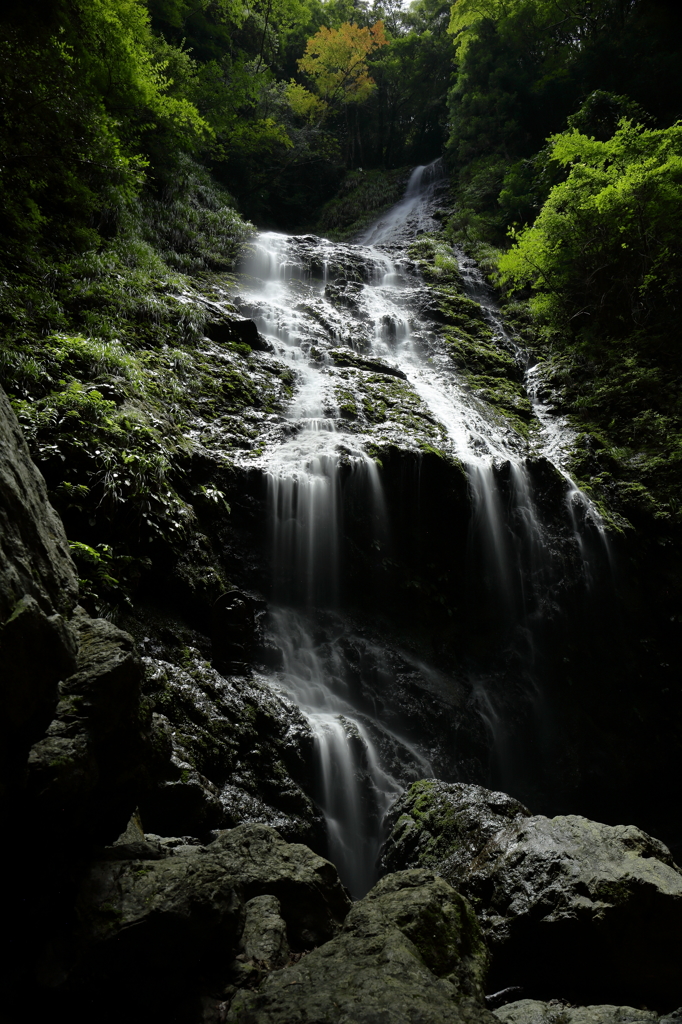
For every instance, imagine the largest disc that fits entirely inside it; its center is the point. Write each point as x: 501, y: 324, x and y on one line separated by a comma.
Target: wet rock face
x: 445, y: 826
x: 409, y: 951
x: 240, y: 752
x: 34, y: 554
x: 102, y: 749
x: 568, y: 905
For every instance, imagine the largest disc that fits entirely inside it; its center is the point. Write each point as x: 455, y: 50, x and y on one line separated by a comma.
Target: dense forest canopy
x: 105, y: 99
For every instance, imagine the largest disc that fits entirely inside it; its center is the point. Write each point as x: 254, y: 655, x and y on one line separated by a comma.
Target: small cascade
x: 352, y: 789
x: 345, y: 319
x: 413, y: 213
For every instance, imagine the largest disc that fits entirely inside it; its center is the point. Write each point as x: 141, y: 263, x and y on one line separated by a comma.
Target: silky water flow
x: 310, y: 297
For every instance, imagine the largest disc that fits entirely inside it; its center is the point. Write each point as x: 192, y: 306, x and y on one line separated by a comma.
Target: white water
x: 309, y: 298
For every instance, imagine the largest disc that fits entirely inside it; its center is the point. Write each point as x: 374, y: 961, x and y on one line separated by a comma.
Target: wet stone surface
x: 241, y: 752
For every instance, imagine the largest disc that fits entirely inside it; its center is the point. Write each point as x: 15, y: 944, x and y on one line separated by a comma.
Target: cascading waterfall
x: 311, y: 300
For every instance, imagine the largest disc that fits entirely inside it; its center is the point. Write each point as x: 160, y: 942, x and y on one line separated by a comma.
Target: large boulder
x: 313, y: 901
x: 445, y: 826
x: 102, y: 749
x: 569, y: 906
x: 410, y: 951
x: 161, y: 925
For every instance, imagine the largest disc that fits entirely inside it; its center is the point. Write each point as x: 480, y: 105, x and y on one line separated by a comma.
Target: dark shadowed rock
x: 233, y: 630
x: 410, y: 951
x: 152, y: 931
x: 237, y: 328
x: 568, y: 905
x: 34, y: 553
x: 38, y: 591
x: 102, y: 749
x: 163, y: 929
x: 346, y: 357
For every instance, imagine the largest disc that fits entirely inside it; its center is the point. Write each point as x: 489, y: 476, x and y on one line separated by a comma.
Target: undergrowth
x: 107, y: 365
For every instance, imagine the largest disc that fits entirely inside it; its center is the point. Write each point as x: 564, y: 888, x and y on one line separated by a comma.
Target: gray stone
x: 102, y: 750
x: 313, y: 902
x: 38, y: 592
x: 172, y: 926
x: 152, y: 931
x: 445, y: 826
x: 265, y: 932
x: 411, y: 951
x: 241, y: 753
x: 568, y: 905
x: 532, y: 1011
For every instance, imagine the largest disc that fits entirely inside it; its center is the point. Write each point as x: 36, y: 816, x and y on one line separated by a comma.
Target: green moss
x: 437, y: 262
x: 628, y: 416
x: 435, y: 822
x: 491, y: 372
x: 614, y: 893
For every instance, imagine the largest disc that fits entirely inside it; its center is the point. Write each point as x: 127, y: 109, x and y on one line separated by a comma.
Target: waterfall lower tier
x: 352, y: 788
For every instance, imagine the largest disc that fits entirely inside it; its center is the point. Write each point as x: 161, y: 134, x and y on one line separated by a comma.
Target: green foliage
x: 336, y: 62
x: 100, y: 591
x: 524, y: 68
x: 403, y: 120
x: 604, y: 256
x: 82, y: 91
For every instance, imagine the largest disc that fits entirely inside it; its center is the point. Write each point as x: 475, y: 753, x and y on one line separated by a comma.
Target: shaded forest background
x: 142, y: 140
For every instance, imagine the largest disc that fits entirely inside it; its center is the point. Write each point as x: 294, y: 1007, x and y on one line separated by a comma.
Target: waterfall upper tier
x: 353, y: 324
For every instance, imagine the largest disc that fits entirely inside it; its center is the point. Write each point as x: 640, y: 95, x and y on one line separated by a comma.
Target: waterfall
x: 326, y: 310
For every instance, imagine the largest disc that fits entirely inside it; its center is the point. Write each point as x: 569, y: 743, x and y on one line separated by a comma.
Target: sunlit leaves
x: 604, y: 256
x: 305, y: 103
x: 336, y: 62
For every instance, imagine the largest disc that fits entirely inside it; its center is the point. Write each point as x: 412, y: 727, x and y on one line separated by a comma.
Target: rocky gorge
x: 272, y: 790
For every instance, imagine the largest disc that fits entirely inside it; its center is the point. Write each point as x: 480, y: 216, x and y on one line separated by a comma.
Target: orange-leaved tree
x: 335, y: 60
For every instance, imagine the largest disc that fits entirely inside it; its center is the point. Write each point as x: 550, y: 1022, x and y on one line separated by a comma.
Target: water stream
x: 346, y: 318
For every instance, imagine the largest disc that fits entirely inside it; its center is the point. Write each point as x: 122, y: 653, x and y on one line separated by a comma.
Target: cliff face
x: 38, y: 594
x: 78, y: 746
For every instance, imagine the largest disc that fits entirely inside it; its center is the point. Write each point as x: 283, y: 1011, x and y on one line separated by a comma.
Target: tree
x: 336, y: 62
x: 604, y: 256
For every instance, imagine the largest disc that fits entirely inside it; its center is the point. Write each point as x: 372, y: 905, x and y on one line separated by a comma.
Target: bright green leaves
x: 604, y: 256
x: 305, y: 103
